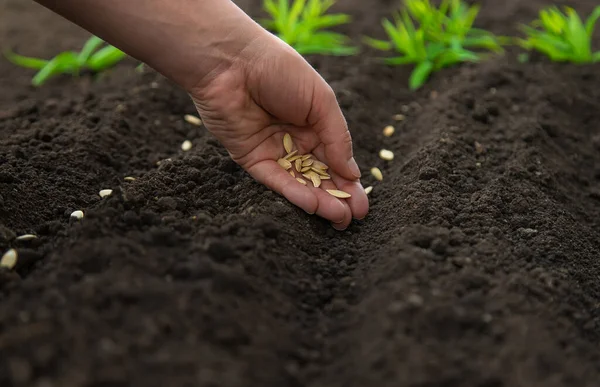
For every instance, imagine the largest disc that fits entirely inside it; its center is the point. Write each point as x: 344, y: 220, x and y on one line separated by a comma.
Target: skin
x: 249, y: 88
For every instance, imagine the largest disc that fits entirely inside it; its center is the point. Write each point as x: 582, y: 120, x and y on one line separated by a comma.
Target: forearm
x: 185, y: 40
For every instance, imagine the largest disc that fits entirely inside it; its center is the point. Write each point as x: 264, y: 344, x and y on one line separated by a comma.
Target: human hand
x: 270, y: 90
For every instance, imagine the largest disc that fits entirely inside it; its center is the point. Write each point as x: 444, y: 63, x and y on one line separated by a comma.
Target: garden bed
x: 478, y: 264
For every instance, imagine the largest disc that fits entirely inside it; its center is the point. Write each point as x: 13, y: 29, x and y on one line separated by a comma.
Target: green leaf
x: 596, y: 57
x: 65, y: 62
x: 25, y: 61
x: 105, y: 58
x: 88, y: 49
x: 378, y: 44
x: 327, y: 21
x: 420, y: 74
x: 591, y: 21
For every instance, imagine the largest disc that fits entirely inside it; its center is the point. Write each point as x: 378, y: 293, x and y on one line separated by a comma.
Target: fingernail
x: 354, y: 167
x: 337, y: 227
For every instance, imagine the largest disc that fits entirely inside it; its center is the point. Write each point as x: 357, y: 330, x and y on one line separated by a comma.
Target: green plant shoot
x: 563, y: 37
x: 92, y: 57
x: 432, y: 38
x: 301, y: 25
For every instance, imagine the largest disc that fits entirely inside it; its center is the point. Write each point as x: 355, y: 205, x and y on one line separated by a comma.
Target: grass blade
x: 105, y: 58
x: 25, y: 61
x: 88, y: 49
x: 420, y: 75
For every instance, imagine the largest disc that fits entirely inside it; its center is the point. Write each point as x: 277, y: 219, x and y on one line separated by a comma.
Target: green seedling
x: 432, y: 38
x: 92, y: 57
x: 562, y: 36
x: 301, y: 25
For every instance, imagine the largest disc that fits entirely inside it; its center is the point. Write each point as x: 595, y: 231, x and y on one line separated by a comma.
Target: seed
x: 186, y: 145
x: 399, y: 117
x: 105, y: 193
x: 301, y: 181
x: 26, y: 237
x: 319, y: 171
x: 338, y: 193
x: 316, y: 180
x: 306, y: 157
x: 288, y: 144
x: 320, y: 165
x: 479, y: 149
x: 388, y: 130
x: 376, y: 172
x: 77, y: 214
x: 325, y: 177
x: 386, y: 154
x: 9, y: 259
x: 285, y: 164
x: 298, y: 164
x: 129, y: 178
x: 308, y: 162
x: 191, y: 119
x: 305, y: 169
x: 306, y: 175
x: 290, y: 155
x: 368, y: 190
x: 294, y: 158
x: 292, y: 173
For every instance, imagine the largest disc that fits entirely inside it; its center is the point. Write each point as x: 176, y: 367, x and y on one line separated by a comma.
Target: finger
x: 272, y: 175
x: 345, y: 222
x: 330, y: 125
x: 358, y: 202
x: 330, y: 207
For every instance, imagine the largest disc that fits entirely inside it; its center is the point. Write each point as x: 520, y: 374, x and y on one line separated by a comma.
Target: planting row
x: 423, y: 35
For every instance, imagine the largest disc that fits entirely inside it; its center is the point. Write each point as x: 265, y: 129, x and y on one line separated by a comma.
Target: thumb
x: 327, y: 120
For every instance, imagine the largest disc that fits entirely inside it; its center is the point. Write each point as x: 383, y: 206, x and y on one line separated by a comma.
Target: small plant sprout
x: 301, y: 25
x: 432, y: 38
x: 92, y: 57
x: 562, y: 36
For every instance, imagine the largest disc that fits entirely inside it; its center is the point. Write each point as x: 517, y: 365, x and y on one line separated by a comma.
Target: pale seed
x: 77, y: 214
x: 129, y: 178
x: 399, y: 117
x: 308, y: 162
x: 284, y: 163
x: 186, y: 145
x: 327, y: 177
x: 26, y: 237
x: 320, y: 165
x: 9, y: 259
x: 316, y: 180
x: 338, y: 193
x: 306, y: 175
x: 386, y: 154
x: 376, y: 172
x: 191, y: 119
x: 290, y: 155
x: 368, y: 190
x: 301, y: 181
x: 292, y: 173
x: 319, y: 171
x: 105, y: 192
x: 288, y: 144
x: 294, y: 158
x: 388, y: 130
x: 306, y: 157
x: 298, y: 164
x: 305, y: 169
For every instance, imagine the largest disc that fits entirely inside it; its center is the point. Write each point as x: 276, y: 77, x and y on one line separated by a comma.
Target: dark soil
x: 478, y: 264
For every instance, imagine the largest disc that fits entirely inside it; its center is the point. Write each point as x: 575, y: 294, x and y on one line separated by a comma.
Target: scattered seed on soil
x: 191, y: 119
x: 77, y: 214
x: 338, y: 194
x: 479, y: 149
x: 105, y: 192
x: 292, y: 173
x: 368, y: 190
x: 298, y: 164
x: 9, y: 259
x: 307, y: 162
x: 285, y: 164
x: 301, y: 181
x: 129, y: 178
x: 26, y: 237
x: 186, y: 145
x: 388, y: 130
x: 320, y: 165
x: 376, y: 172
x: 399, y: 117
x: 288, y: 144
x: 315, y: 179
x: 386, y: 154
x: 305, y: 169
x: 306, y: 157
